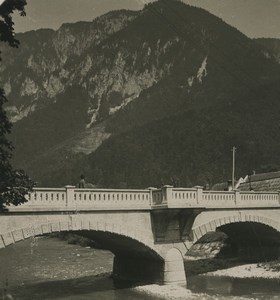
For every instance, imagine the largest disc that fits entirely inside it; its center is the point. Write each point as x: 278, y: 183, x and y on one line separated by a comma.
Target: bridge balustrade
x: 261, y: 198
x: 47, y: 197
x: 100, y: 198
x: 222, y: 199
x: 212, y: 198
x: 198, y: 198
x: 186, y: 197
x: 71, y: 198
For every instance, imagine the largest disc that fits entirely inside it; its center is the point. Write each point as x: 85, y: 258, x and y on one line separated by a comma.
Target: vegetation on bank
x: 273, y: 266
x: 218, y: 254
x: 75, y: 239
x: 233, y: 267
x: 14, y: 184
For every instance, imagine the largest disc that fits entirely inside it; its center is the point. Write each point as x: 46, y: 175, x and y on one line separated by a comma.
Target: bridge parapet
x: 106, y: 198
x: 45, y: 196
x: 199, y: 198
x: 72, y: 199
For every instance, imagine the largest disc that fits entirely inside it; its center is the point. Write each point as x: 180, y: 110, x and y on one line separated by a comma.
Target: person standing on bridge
x: 82, y: 182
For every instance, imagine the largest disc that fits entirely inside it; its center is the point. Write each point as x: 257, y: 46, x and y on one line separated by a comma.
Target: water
x: 239, y: 288
x: 47, y: 268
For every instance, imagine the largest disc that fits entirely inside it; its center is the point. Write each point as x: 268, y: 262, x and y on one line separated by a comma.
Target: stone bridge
x: 149, y: 231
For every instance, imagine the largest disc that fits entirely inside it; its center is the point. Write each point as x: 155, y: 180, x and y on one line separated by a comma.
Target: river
x: 48, y: 268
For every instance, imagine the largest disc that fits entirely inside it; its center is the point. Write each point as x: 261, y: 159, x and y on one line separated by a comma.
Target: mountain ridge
x: 166, y: 63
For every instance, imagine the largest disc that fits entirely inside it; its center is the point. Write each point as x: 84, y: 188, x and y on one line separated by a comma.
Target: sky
x: 255, y: 18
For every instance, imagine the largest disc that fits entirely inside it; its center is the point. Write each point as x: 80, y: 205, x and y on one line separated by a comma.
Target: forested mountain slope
x: 136, y: 98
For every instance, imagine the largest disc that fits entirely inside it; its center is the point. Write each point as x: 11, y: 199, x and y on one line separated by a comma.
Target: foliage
x: 14, y: 187
x: 75, y: 239
x: 14, y: 184
x: 6, y: 22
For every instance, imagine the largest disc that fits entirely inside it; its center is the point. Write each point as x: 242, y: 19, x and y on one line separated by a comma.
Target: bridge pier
x: 170, y: 271
x: 174, y: 270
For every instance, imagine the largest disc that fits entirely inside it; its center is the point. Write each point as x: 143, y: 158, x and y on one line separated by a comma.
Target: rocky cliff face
x: 125, y: 75
x: 108, y: 69
x: 49, y: 62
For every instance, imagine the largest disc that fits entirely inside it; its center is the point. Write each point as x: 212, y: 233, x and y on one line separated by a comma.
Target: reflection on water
x: 46, y: 268
x: 90, y: 287
x: 257, y: 288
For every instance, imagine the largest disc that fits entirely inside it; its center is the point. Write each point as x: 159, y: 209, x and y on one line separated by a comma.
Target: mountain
x: 142, y: 98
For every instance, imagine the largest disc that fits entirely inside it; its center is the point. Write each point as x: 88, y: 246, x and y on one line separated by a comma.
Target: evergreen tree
x: 14, y: 184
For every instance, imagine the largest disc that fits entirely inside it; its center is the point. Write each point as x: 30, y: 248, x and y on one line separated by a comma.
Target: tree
x: 7, y: 8
x: 14, y: 184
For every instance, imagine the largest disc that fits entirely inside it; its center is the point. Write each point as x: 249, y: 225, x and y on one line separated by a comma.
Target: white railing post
x: 151, y: 189
x: 166, y: 193
x: 237, y: 197
x: 69, y: 195
x: 199, y: 194
x: 30, y: 198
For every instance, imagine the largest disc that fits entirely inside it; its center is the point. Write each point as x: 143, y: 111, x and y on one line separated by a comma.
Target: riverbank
x: 233, y: 268
x: 269, y: 270
x: 175, y: 292
x: 226, y: 269
x: 221, y: 283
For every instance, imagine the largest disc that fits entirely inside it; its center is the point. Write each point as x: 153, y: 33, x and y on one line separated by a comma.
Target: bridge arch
x: 38, y: 229
x: 135, y: 256
x: 254, y: 237
x: 212, y: 225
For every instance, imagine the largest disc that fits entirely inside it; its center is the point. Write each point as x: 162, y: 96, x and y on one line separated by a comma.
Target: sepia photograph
x: 139, y: 149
